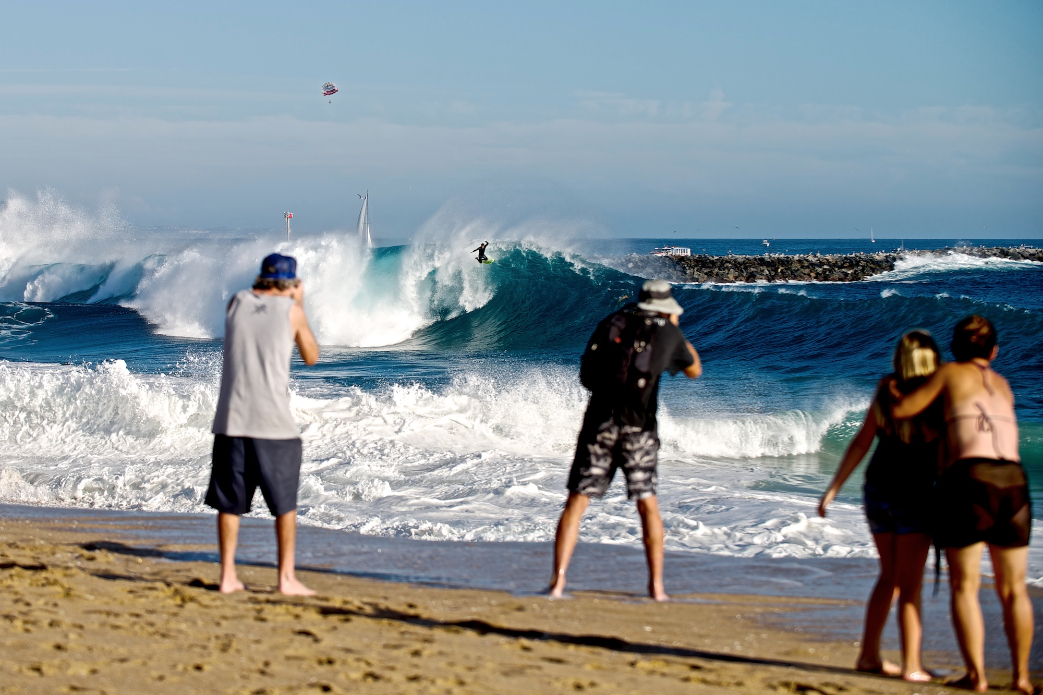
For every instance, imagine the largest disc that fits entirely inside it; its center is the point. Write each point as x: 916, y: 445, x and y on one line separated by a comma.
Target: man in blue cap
x: 256, y: 442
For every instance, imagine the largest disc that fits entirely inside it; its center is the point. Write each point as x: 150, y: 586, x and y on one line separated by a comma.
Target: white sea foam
x: 912, y: 266
x: 483, y: 458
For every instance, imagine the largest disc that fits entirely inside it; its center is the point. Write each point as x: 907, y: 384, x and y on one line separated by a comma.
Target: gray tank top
x: 255, y: 380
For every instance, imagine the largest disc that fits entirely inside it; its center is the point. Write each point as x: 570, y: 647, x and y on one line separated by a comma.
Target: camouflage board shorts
x: 600, y: 452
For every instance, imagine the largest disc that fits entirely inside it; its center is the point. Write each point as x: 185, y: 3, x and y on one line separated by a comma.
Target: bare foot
x: 656, y: 592
x: 1024, y: 687
x: 230, y: 586
x: 917, y: 677
x: 884, y: 668
x: 293, y: 587
x: 556, y: 589
x: 968, y: 683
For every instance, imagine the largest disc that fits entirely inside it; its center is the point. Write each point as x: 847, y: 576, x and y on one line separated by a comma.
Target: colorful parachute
x: 329, y: 89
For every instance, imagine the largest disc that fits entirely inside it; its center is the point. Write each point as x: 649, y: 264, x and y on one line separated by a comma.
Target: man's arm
x: 915, y: 402
x: 697, y: 366
x: 307, y: 346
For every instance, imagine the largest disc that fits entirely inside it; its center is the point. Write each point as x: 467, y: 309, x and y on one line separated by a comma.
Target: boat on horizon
x: 671, y: 251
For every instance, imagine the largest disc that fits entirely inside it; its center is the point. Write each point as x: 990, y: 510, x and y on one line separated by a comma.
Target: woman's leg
x: 965, y: 579
x: 878, y: 607
x: 1009, y: 566
x: 911, y: 551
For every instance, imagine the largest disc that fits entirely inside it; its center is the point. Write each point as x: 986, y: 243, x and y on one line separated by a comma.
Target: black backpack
x: 618, y: 360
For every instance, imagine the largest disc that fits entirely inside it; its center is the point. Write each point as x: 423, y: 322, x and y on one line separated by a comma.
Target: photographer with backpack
x: 621, y: 366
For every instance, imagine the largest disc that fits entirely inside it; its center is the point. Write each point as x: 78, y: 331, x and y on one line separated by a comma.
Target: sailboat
x: 871, y: 239
x: 363, y: 229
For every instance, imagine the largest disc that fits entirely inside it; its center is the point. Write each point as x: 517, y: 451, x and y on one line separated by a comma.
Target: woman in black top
x: 897, y: 490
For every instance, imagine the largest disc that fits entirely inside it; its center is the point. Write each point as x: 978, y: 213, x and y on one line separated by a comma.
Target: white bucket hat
x: 655, y: 296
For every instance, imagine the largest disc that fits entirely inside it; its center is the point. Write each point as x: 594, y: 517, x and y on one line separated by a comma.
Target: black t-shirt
x: 669, y: 354
x: 905, y: 464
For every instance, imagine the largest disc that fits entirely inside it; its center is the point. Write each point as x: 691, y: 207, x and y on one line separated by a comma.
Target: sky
x: 794, y: 119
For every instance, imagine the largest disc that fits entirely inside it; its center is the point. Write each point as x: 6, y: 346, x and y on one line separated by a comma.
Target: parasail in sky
x: 329, y: 89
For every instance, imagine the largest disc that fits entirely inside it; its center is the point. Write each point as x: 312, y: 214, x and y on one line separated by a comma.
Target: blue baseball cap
x: 279, y: 267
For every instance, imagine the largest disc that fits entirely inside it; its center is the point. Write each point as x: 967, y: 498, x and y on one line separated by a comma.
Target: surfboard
x: 487, y: 261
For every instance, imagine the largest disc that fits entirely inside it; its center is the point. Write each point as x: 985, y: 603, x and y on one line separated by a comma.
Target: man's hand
x: 696, y: 367
x: 297, y: 293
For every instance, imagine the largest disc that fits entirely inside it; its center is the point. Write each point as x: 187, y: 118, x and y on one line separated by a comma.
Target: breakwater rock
x: 773, y: 267
x: 782, y: 268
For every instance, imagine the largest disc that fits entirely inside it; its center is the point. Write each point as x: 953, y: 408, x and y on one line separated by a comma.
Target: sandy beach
x: 84, y: 611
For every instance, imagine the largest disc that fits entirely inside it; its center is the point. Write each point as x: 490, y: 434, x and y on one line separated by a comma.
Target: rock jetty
x: 773, y: 267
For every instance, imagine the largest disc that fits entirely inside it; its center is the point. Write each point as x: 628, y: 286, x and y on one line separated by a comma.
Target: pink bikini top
x: 983, y: 427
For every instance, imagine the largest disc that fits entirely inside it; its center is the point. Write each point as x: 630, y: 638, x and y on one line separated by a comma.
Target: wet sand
x: 86, y: 612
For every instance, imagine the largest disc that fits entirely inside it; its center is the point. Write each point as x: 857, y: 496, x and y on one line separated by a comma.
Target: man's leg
x: 652, y: 535
x: 565, y: 540
x: 286, y: 537
x: 227, y: 539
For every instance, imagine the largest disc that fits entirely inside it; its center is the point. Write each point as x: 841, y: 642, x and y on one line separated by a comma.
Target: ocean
x: 446, y: 403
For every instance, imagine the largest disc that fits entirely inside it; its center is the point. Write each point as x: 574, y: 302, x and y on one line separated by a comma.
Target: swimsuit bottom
x: 888, y: 512
x: 983, y: 500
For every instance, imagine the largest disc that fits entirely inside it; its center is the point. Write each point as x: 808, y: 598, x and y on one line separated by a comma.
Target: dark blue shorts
x: 242, y: 464
x: 887, y: 515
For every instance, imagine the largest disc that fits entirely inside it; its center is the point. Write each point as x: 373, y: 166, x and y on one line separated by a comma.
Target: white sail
x: 363, y: 226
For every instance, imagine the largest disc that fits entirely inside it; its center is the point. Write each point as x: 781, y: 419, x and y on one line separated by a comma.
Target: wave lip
x: 752, y: 436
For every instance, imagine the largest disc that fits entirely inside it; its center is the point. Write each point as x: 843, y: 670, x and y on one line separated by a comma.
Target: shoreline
x: 774, y: 267
x: 800, y: 610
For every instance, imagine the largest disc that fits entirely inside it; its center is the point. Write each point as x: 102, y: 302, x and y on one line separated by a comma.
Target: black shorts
x: 601, y: 451
x: 891, y: 513
x: 983, y: 500
x: 242, y: 464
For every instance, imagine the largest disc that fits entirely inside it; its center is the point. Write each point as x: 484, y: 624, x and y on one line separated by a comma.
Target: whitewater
x: 446, y: 404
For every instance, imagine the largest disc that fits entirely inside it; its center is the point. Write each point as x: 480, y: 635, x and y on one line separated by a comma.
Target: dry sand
x: 82, y: 612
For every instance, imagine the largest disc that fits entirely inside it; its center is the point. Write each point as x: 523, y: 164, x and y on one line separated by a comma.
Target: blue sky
x: 635, y: 119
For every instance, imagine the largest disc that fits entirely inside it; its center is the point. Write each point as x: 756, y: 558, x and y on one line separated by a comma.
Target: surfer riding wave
x: 481, y: 251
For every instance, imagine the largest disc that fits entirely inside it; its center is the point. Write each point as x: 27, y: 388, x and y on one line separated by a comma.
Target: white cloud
x: 713, y: 107
x: 938, y: 159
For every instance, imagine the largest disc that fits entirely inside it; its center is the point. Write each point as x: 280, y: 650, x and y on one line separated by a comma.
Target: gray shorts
x: 242, y: 464
x: 600, y: 452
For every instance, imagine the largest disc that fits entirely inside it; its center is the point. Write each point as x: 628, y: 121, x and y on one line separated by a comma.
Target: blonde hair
x: 916, y: 356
